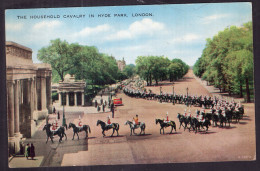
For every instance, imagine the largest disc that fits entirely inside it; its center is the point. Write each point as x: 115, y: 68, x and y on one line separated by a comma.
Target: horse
x: 60, y: 132
x: 182, y: 120
x: 106, y: 127
x: 195, y: 124
x: 133, y: 127
x: 76, y: 130
x: 163, y: 125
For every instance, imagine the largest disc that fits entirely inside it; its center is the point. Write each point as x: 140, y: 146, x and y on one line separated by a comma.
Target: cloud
x: 143, y: 27
x: 13, y: 26
x: 92, y: 30
x: 190, y: 37
x: 47, y: 25
x: 214, y: 17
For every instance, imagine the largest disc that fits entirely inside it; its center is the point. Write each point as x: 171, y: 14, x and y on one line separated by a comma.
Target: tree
x: 59, y: 54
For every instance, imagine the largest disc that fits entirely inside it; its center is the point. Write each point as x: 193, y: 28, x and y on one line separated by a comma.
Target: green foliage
x: 85, y: 62
x: 160, y: 68
x: 227, y: 60
x: 129, y: 70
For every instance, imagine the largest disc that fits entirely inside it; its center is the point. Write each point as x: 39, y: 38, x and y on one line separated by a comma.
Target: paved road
x: 235, y: 143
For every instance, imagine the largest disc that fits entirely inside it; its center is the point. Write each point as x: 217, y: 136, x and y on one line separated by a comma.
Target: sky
x: 174, y: 31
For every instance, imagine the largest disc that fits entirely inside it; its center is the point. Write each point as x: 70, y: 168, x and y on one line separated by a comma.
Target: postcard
x: 120, y: 85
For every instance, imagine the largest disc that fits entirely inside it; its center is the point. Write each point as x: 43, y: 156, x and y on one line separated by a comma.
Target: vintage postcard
x: 120, y: 85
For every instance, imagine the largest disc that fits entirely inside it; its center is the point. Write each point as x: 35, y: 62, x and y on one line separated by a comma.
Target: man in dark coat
x: 32, y: 151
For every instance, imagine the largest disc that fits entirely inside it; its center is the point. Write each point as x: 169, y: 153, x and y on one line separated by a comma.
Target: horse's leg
x: 65, y: 135
x: 113, y: 132
x: 73, y: 135
x: 163, y: 130
x: 78, y: 135
x: 86, y: 134
x: 117, y: 132
x: 171, y: 130
x: 103, y: 133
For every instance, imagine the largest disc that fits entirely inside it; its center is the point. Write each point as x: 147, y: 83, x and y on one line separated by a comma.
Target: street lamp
x: 160, y: 90
x: 187, y: 91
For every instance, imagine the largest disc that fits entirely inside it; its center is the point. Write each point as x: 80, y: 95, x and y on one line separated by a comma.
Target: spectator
x: 32, y: 152
x: 26, y: 154
x: 58, y: 115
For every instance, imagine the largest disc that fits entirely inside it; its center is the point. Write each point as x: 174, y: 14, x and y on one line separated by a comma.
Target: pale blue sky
x: 174, y: 31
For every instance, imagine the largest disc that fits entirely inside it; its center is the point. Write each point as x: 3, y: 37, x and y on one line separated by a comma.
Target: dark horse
x: 60, y: 132
x: 133, y: 127
x: 183, y: 119
x: 106, y: 127
x: 163, y: 125
x: 76, y: 130
x: 195, y: 124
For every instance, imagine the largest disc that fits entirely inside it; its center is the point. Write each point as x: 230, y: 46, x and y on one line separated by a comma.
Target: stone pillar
x: 10, y: 104
x: 67, y: 99
x: 32, y: 95
x: 60, y: 99
x: 83, y: 99
x: 43, y: 93
x: 48, y: 94
x: 75, y: 99
x: 35, y: 93
x: 16, y: 108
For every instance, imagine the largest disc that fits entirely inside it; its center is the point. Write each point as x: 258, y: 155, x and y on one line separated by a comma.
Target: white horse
x: 133, y: 127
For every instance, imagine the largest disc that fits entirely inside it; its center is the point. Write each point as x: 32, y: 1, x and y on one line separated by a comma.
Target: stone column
x: 16, y: 108
x: 83, y: 99
x: 48, y: 94
x: 75, y: 99
x: 10, y: 96
x: 35, y: 93
x: 32, y: 95
x: 43, y: 93
x: 67, y: 99
x: 60, y: 99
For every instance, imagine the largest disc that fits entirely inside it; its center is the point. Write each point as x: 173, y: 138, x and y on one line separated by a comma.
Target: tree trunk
x: 150, y: 79
x: 241, y: 89
x: 247, y: 91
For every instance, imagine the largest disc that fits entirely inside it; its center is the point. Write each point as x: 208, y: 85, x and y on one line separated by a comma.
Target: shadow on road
x: 119, y: 136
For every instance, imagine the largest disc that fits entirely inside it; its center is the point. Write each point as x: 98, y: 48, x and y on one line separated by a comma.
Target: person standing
x: 112, y: 109
x: 28, y: 151
x: 26, y: 154
x: 58, y: 115
x: 32, y: 151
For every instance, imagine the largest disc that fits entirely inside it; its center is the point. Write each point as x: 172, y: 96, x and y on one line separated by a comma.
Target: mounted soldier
x: 166, y: 120
x: 136, y: 122
x: 80, y: 123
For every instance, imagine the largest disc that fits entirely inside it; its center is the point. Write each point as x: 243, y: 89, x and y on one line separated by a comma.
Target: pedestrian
x: 54, y: 110
x: 32, y: 151
x: 103, y: 108
x: 98, y: 108
x: 26, y: 154
x: 58, y: 115
x: 96, y: 104
x: 28, y: 150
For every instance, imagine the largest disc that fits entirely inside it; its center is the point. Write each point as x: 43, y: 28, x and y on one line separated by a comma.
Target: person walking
x: 26, y: 154
x: 32, y: 151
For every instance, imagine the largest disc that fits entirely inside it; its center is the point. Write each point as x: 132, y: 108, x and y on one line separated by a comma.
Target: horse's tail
x: 89, y: 129
x: 117, y: 126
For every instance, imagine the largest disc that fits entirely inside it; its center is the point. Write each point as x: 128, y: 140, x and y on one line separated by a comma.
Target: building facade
x: 121, y: 64
x: 28, y: 93
x: 71, y: 91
